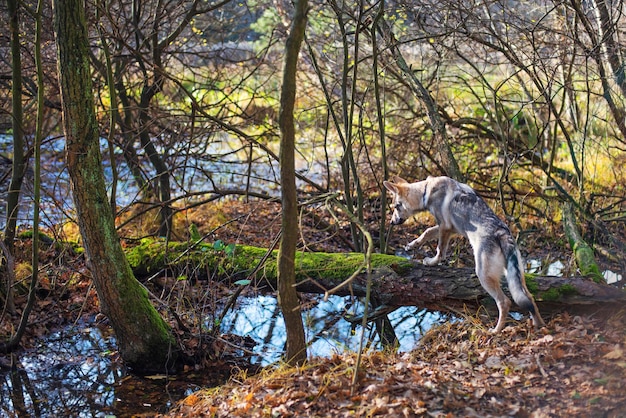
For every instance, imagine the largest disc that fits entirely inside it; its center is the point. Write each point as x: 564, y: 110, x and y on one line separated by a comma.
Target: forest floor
x: 576, y: 366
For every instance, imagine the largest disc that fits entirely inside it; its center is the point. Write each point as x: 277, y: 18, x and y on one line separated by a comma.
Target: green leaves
x: 229, y: 249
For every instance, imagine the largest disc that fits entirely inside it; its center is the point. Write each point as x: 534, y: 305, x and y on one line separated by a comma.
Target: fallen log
x: 396, y: 281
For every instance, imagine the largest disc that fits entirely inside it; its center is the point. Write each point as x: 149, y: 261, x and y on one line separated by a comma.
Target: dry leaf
x: 615, y: 354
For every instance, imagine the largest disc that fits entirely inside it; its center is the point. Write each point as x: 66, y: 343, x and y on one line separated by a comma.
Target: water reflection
x: 545, y: 267
x: 68, y: 374
x: 77, y: 372
x: 327, y: 325
x: 557, y: 268
x: 221, y: 160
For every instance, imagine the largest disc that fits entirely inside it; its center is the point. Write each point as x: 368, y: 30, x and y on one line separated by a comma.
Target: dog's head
x: 407, y: 199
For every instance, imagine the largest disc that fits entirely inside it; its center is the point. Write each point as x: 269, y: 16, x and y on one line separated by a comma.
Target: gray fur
x: 459, y: 210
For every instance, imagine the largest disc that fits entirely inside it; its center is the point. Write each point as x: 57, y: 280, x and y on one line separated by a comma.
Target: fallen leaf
x: 615, y: 354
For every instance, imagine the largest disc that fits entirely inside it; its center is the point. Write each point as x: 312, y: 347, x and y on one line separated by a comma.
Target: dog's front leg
x: 442, y: 248
x: 428, y: 235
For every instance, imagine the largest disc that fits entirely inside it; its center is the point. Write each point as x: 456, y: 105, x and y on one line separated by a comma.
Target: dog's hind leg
x: 504, y: 304
x: 489, y: 272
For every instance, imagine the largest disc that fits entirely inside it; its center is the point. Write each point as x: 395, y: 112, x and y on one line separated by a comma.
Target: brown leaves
x: 575, y: 369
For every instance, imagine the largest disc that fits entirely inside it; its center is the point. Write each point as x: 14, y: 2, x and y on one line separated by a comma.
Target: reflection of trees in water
x: 16, y: 389
x: 328, y: 326
x: 68, y: 376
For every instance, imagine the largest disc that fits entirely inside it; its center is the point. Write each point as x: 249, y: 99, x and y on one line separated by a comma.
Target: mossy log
x: 396, y: 281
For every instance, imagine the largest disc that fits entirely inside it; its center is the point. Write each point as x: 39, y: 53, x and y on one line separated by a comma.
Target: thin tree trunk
x: 162, y: 172
x: 601, y: 44
x: 583, y: 253
x: 380, y: 119
x: 19, y: 165
x: 287, y: 296
x: 145, y: 341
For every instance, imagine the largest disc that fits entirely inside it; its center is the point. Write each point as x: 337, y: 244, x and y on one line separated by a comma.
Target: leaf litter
x: 575, y: 367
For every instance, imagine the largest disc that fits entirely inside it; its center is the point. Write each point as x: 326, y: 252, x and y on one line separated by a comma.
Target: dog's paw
x: 431, y: 261
x: 497, y: 329
x: 408, y: 247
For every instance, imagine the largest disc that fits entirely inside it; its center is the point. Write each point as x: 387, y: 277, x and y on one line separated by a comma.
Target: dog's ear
x: 390, y: 186
x: 399, y: 180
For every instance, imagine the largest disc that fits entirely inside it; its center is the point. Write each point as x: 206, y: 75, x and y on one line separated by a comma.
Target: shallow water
x: 76, y: 372
x: 327, y: 328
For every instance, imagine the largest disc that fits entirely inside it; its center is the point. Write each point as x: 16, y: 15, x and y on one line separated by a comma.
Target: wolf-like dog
x: 459, y: 210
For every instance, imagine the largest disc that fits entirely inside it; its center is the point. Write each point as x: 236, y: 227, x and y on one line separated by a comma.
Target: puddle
x: 327, y: 329
x: 557, y: 268
x: 612, y: 277
x: 77, y: 372
x: 553, y: 268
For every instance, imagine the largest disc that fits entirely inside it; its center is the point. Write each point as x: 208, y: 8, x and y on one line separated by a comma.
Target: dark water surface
x: 77, y: 372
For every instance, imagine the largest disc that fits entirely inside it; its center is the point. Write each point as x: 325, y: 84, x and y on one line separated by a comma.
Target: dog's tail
x: 515, y: 275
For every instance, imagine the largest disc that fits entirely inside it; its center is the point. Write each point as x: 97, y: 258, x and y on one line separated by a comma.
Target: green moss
x: 552, y: 294
x: 150, y: 256
x: 331, y: 266
x: 42, y: 236
x: 587, y: 263
x: 156, y: 333
x: 531, y: 283
x: 341, y: 266
x: 557, y: 293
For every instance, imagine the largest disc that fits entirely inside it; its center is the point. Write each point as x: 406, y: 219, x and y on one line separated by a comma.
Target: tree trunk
x: 162, y: 172
x: 583, y: 253
x: 145, y: 341
x: 19, y: 164
x: 603, y: 44
x: 287, y: 296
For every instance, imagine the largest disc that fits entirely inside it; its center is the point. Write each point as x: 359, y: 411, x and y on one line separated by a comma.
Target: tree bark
x: 145, y: 341
x: 583, y: 253
x: 287, y: 295
x: 19, y: 163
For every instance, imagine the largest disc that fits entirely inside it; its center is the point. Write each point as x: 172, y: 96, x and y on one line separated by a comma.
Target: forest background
x: 523, y: 100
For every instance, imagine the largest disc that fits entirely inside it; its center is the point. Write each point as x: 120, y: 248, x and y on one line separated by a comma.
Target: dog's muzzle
x: 396, y: 220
